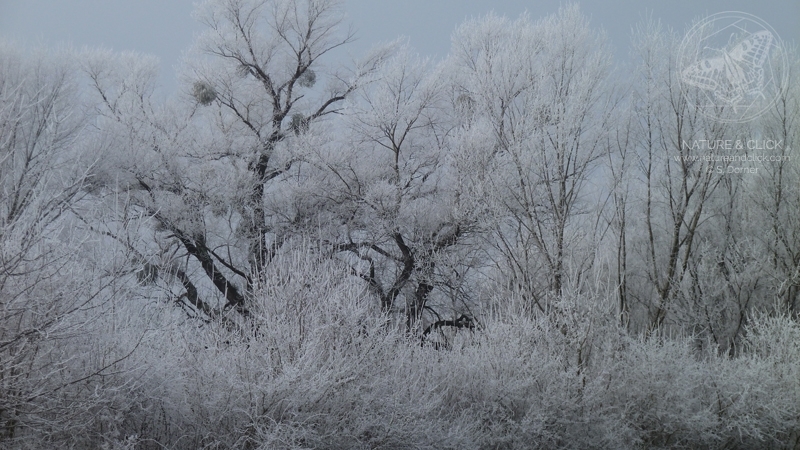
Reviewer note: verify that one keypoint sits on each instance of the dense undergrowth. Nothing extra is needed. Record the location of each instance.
(323, 370)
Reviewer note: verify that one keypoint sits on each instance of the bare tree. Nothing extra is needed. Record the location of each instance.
(541, 87)
(775, 189)
(208, 168)
(397, 213)
(51, 298)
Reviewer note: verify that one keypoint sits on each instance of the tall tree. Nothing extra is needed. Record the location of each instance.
(207, 168)
(52, 297)
(397, 211)
(542, 88)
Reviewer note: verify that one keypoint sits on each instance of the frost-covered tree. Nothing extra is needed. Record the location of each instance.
(541, 88)
(210, 169)
(54, 290)
(38, 126)
(774, 192)
(397, 213)
(698, 234)
(674, 192)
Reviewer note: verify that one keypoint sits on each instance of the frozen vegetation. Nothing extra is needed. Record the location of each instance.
(520, 246)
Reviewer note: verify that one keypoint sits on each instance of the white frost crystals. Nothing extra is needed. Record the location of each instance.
(515, 247)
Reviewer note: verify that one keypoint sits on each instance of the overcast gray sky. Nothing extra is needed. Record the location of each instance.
(165, 27)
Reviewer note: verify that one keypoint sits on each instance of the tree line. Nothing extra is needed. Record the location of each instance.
(173, 270)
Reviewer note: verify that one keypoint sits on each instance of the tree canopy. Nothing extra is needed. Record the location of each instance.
(516, 246)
